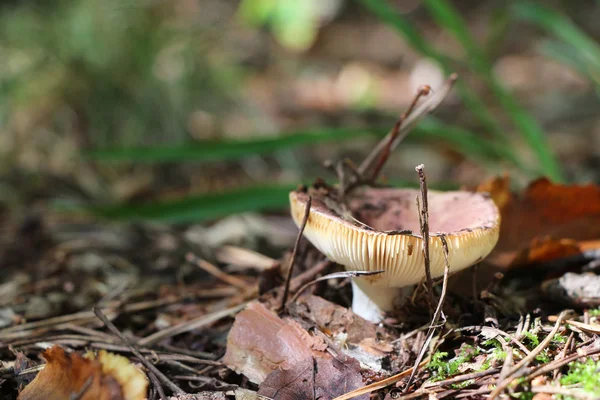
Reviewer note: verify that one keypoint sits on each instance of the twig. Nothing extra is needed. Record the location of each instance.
(436, 315)
(387, 150)
(286, 288)
(563, 353)
(472, 394)
(429, 105)
(588, 328)
(379, 385)
(189, 325)
(506, 365)
(462, 378)
(516, 341)
(157, 385)
(216, 272)
(31, 370)
(85, 317)
(158, 355)
(527, 359)
(575, 393)
(244, 258)
(559, 363)
(176, 389)
(424, 223)
(335, 275)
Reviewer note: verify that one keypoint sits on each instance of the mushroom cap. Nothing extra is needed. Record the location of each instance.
(470, 221)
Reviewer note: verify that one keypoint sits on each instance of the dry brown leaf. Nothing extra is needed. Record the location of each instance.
(260, 342)
(545, 249)
(544, 210)
(104, 376)
(314, 378)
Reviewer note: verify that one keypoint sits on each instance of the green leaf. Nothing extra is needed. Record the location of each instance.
(210, 206)
(201, 208)
(227, 149)
(448, 17)
(574, 48)
(561, 27)
(387, 14)
(569, 56)
(465, 142)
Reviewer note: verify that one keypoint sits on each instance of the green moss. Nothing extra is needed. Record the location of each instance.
(585, 374)
(462, 385)
(543, 357)
(531, 338)
(558, 338)
(523, 395)
(442, 368)
(595, 312)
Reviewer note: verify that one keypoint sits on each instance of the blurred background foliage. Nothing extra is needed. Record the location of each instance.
(188, 110)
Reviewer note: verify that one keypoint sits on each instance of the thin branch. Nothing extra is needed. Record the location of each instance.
(335, 275)
(527, 359)
(560, 363)
(187, 326)
(563, 354)
(425, 108)
(286, 288)
(462, 378)
(216, 272)
(176, 389)
(436, 315)
(379, 385)
(387, 150)
(157, 386)
(424, 223)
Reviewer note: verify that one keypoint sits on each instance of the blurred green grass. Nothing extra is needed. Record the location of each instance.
(132, 75)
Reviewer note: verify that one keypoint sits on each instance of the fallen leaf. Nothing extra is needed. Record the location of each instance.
(544, 250)
(334, 319)
(547, 211)
(260, 342)
(314, 378)
(22, 363)
(498, 188)
(102, 376)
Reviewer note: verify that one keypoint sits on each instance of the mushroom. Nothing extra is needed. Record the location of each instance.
(469, 221)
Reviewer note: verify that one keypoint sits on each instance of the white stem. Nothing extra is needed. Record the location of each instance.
(372, 301)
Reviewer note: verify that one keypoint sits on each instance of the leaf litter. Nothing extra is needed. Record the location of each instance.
(198, 327)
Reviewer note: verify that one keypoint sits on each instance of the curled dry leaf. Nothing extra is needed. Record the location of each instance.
(260, 342)
(314, 378)
(546, 211)
(101, 376)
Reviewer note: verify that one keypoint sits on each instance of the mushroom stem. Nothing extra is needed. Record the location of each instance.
(371, 301)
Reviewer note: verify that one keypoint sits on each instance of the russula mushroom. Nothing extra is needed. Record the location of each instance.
(469, 221)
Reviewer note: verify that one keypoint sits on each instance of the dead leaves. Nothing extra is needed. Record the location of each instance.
(314, 378)
(102, 376)
(287, 361)
(260, 342)
(546, 221)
